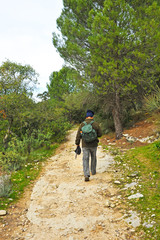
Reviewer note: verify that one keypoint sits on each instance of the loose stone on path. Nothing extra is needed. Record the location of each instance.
(3, 212)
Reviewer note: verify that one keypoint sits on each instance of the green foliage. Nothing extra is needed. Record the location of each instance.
(11, 160)
(118, 54)
(19, 179)
(32, 125)
(33, 141)
(76, 104)
(16, 86)
(15, 105)
(5, 186)
(146, 162)
(152, 102)
(16, 78)
(3, 126)
(114, 45)
(29, 142)
(157, 144)
(114, 151)
(61, 83)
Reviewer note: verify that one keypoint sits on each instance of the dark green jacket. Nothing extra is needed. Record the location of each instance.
(97, 128)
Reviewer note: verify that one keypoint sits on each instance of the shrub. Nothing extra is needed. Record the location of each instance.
(30, 142)
(42, 140)
(157, 144)
(11, 160)
(152, 102)
(5, 186)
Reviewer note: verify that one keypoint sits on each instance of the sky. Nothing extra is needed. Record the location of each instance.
(26, 29)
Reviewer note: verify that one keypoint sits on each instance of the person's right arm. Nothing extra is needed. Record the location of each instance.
(78, 136)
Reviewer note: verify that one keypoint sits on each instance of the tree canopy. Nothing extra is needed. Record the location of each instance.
(21, 118)
(114, 45)
(17, 78)
(62, 82)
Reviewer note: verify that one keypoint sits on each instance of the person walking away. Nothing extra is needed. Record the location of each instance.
(89, 131)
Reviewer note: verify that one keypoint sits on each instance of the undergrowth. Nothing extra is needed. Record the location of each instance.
(145, 162)
(14, 184)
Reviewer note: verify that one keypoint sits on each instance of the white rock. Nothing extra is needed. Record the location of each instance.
(147, 225)
(126, 135)
(131, 139)
(130, 185)
(113, 205)
(134, 220)
(137, 195)
(119, 197)
(107, 203)
(3, 212)
(117, 182)
(135, 174)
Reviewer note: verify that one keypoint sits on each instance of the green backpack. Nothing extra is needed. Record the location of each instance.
(88, 132)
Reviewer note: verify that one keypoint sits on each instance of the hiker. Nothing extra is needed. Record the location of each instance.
(89, 143)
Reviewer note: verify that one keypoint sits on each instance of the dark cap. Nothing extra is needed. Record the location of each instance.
(89, 113)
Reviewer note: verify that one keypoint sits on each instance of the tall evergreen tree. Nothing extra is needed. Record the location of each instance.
(72, 43)
(124, 60)
(114, 45)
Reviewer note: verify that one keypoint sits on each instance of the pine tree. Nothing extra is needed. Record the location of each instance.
(115, 45)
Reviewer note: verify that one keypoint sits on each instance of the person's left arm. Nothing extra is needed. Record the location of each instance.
(98, 130)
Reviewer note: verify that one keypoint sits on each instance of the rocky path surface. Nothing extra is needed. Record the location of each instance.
(63, 206)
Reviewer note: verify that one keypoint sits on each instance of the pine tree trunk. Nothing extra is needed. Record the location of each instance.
(117, 117)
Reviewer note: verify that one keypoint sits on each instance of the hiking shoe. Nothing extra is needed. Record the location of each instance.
(86, 179)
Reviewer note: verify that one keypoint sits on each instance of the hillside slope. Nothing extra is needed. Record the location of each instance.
(137, 174)
(140, 134)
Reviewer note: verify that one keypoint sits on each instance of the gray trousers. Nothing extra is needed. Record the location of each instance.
(87, 152)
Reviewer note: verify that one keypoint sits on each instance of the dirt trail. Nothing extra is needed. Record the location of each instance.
(64, 206)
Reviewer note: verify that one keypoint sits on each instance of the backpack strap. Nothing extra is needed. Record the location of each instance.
(85, 123)
(88, 123)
